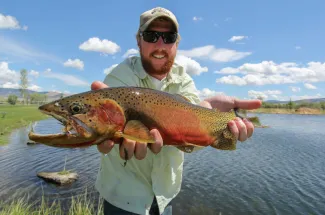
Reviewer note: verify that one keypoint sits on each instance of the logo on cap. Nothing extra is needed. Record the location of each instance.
(161, 10)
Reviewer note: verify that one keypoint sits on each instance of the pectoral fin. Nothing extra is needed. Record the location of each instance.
(137, 131)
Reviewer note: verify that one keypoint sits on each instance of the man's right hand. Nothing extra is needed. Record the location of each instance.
(139, 150)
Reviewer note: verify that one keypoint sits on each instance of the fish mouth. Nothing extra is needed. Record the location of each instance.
(58, 117)
(74, 134)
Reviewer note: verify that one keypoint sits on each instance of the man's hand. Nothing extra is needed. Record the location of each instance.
(139, 150)
(242, 129)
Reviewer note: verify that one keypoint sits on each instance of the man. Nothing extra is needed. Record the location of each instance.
(152, 177)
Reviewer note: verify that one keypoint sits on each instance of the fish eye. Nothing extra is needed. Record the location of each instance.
(75, 108)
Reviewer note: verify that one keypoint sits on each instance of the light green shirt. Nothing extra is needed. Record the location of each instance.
(133, 187)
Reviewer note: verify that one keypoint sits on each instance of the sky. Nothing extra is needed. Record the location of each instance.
(273, 50)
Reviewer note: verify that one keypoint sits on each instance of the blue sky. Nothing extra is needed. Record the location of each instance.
(274, 49)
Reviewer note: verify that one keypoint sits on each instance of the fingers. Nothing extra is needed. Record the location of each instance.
(241, 129)
(248, 104)
(156, 147)
(242, 136)
(96, 85)
(105, 147)
(128, 146)
(139, 150)
(250, 127)
(233, 128)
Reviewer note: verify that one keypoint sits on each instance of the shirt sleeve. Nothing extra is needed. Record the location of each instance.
(189, 90)
(122, 75)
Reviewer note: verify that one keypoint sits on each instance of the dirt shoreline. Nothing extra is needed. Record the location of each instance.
(299, 111)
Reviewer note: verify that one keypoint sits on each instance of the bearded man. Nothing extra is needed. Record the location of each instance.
(153, 174)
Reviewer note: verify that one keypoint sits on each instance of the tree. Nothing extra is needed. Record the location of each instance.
(322, 105)
(12, 99)
(24, 85)
(291, 104)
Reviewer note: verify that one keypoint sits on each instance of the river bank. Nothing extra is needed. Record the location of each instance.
(300, 111)
(78, 205)
(17, 116)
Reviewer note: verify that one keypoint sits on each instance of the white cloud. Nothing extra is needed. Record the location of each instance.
(195, 18)
(10, 22)
(67, 79)
(130, 52)
(268, 72)
(297, 47)
(264, 94)
(206, 92)
(295, 89)
(10, 85)
(7, 75)
(191, 66)
(211, 53)
(109, 69)
(10, 78)
(295, 97)
(104, 46)
(34, 88)
(237, 38)
(227, 70)
(310, 86)
(16, 85)
(76, 63)
(34, 73)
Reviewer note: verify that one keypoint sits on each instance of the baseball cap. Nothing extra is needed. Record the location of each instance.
(148, 16)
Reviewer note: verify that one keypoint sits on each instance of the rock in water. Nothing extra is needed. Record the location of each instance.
(57, 178)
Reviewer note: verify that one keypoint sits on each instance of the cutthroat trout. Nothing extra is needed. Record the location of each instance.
(130, 112)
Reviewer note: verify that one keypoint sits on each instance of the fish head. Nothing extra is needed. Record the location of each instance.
(87, 117)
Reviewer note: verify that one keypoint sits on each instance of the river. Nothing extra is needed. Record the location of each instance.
(280, 170)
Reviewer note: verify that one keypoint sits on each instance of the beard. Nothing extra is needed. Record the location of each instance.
(150, 68)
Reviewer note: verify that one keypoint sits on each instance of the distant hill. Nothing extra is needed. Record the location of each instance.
(297, 101)
(5, 92)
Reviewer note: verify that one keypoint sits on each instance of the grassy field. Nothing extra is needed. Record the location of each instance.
(17, 116)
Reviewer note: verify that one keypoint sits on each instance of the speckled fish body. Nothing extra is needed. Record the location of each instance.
(130, 112)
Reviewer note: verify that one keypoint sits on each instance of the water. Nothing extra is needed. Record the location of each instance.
(281, 170)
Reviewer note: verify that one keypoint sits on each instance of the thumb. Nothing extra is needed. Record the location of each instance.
(96, 85)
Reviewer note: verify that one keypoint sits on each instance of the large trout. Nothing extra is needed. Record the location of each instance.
(130, 112)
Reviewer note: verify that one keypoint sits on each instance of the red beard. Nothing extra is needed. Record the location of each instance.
(149, 67)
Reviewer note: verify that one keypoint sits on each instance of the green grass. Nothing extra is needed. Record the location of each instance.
(17, 116)
(79, 205)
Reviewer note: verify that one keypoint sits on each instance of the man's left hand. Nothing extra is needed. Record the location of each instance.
(242, 129)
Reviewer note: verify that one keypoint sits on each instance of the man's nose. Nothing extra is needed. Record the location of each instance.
(160, 42)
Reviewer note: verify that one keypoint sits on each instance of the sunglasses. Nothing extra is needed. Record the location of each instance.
(153, 36)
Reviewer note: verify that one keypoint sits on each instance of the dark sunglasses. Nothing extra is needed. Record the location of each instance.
(153, 36)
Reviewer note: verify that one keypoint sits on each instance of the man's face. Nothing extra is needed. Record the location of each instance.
(157, 58)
